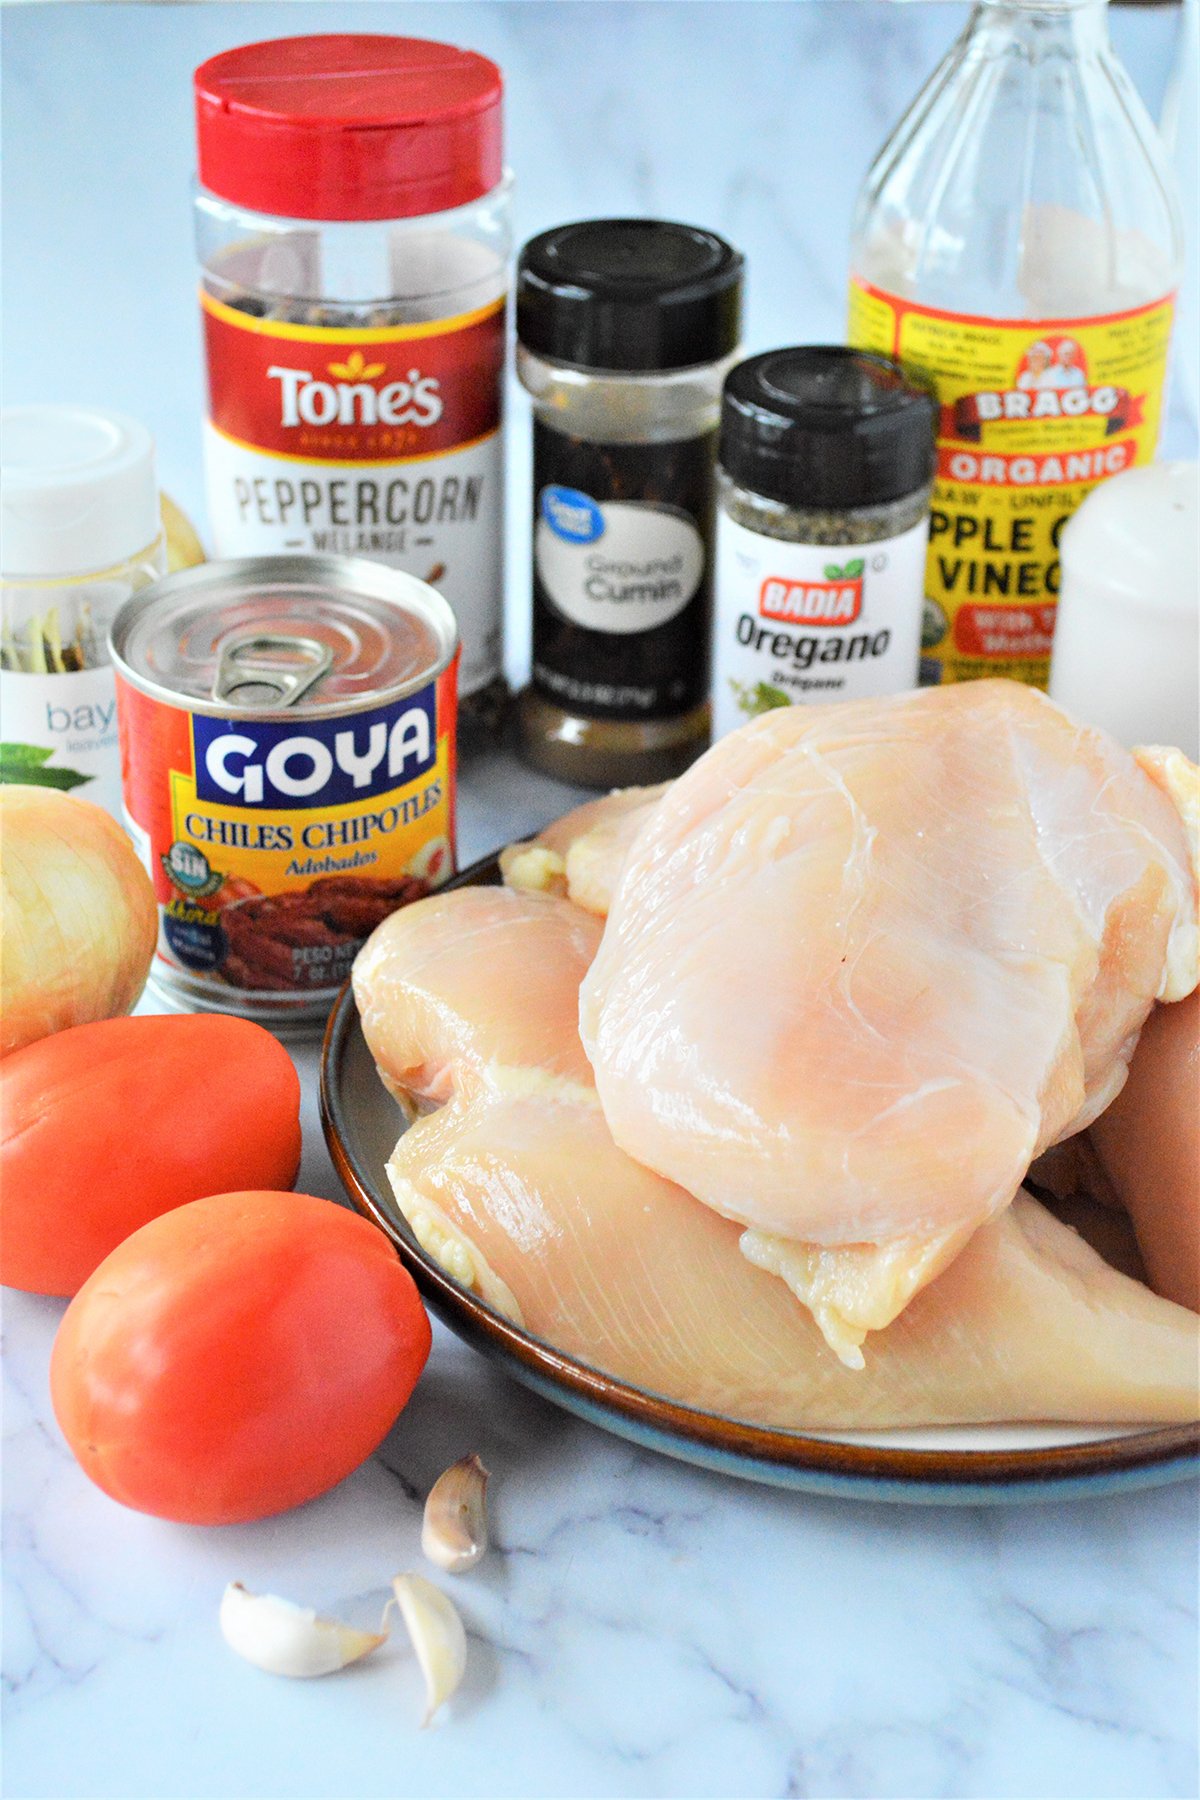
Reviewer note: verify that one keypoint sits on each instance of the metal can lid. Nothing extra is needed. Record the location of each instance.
(314, 636)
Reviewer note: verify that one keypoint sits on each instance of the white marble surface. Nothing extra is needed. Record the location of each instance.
(645, 1629)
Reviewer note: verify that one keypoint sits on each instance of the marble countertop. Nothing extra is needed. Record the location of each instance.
(642, 1628)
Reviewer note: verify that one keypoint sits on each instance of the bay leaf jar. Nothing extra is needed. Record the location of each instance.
(80, 531)
(625, 330)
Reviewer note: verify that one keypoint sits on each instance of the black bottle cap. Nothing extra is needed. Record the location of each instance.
(827, 427)
(634, 294)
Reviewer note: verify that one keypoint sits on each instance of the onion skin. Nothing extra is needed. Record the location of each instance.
(78, 916)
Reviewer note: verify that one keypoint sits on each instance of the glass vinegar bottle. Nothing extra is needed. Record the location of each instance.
(1018, 240)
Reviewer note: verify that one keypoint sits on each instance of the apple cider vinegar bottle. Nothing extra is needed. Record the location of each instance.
(1018, 242)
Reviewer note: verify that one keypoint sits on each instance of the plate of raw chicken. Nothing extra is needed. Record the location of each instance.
(828, 1116)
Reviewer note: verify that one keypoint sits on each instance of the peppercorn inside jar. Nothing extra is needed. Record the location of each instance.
(825, 474)
(353, 234)
(625, 328)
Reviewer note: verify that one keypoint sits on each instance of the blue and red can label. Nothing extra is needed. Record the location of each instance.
(277, 845)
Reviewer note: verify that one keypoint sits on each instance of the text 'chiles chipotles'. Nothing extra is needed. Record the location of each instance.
(353, 232)
(1034, 285)
(288, 752)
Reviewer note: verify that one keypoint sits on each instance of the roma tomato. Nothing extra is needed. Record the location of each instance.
(105, 1126)
(237, 1356)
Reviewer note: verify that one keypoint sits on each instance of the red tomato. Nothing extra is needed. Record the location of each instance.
(105, 1126)
(237, 1356)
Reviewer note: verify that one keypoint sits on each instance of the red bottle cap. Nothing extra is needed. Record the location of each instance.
(349, 126)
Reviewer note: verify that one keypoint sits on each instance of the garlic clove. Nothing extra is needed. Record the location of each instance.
(437, 1636)
(285, 1639)
(454, 1533)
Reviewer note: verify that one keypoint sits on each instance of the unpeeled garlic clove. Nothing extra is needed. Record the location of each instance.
(437, 1636)
(454, 1534)
(285, 1639)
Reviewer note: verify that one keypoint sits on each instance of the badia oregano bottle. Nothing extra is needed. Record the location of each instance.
(823, 479)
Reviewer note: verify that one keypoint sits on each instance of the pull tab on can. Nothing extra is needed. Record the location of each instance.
(269, 669)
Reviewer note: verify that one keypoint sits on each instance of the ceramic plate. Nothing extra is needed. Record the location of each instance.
(965, 1464)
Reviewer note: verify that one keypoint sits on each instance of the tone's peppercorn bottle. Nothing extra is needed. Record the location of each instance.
(625, 330)
(352, 227)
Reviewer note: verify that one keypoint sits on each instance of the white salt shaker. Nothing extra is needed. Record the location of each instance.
(1127, 635)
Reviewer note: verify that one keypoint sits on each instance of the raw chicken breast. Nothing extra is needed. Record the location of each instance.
(1106, 1228)
(445, 991)
(865, 960)
(517, 1187)
(1149, 1145)
(580, 855)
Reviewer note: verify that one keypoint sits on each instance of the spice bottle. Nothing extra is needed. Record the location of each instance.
(353, 232)
(826, 468)
(625, 328)
(1018, 237)
(81, 531)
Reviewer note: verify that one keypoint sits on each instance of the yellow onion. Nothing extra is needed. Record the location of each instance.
(78, 918)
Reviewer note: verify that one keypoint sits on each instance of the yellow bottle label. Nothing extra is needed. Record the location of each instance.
(1034, 414)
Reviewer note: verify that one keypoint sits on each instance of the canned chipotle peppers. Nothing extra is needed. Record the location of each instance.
(287, 731)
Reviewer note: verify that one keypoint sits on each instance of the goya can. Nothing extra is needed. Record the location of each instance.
(287, 729)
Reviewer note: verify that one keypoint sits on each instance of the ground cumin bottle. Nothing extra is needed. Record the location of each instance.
(1018, 240)
(625, 329)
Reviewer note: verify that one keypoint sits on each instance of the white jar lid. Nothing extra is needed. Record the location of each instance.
(1134, 537)
(78, 492)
